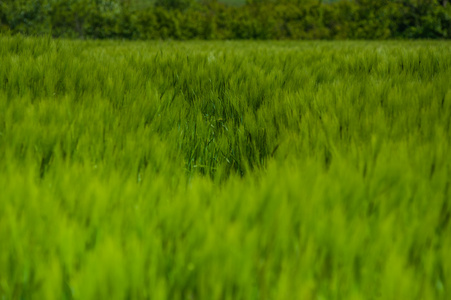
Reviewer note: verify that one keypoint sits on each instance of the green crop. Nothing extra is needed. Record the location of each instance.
(224, 170)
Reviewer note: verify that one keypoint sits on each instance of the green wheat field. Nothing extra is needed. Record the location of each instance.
(225, 170)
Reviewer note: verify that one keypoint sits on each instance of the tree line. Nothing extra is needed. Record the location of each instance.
(211, 19)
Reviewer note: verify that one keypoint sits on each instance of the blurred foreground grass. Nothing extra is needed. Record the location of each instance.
(224, 170)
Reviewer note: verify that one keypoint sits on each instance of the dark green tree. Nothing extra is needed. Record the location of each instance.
(175, 4)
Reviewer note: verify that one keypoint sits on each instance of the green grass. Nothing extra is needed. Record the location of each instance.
(224, 170)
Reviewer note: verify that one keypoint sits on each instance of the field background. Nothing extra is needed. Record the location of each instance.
(147, 3)
(225, 20)
(224, 170)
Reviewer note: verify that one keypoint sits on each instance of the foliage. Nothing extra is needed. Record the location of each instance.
(188, 19)
(224, 170)
(174, 4)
